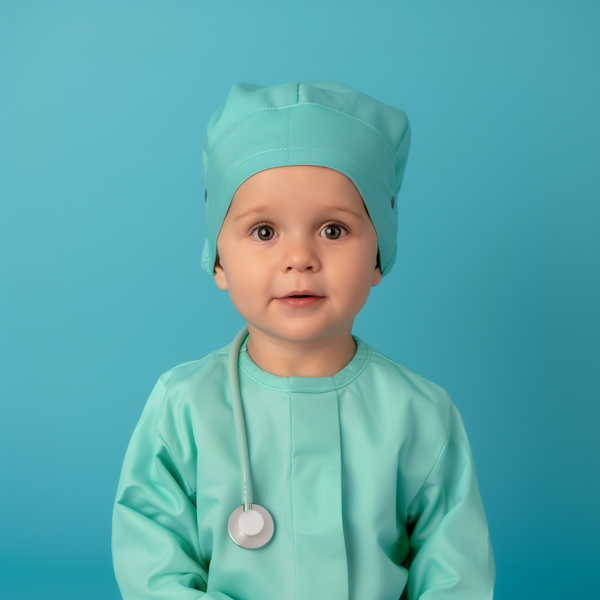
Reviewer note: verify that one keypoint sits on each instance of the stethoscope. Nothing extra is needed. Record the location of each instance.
(250, 525)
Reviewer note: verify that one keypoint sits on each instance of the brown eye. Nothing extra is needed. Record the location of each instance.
(264, 233)
(332, 232)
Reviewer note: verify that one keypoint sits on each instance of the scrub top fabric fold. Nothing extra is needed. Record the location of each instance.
(368, 476)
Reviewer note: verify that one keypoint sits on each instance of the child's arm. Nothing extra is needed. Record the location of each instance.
(155, 546)
(450, 544)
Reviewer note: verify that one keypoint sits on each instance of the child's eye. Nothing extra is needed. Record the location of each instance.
(263, 232)
(333, 231)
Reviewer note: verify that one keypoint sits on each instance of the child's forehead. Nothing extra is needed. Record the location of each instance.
(311, 188)
(311, 177)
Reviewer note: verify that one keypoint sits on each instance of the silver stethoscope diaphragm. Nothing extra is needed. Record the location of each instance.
(251, 528)
(250, 525)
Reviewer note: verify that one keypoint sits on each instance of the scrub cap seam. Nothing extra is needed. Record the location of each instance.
(339, 112)
(303, 148)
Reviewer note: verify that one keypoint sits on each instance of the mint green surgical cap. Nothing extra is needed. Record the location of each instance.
(323, 123)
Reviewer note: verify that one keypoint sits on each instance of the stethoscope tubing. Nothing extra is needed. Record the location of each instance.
(238, 416)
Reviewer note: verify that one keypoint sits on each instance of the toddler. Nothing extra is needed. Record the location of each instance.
(298, 463)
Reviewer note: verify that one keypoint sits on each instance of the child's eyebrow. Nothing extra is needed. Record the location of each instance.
(256, 209)
(260, 209)
(346, 210)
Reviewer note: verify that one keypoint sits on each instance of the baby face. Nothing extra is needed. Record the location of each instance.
(298, 231)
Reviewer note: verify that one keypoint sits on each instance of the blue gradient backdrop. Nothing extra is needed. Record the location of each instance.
(494, 296)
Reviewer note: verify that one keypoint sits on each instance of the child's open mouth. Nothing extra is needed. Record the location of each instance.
(301, 300)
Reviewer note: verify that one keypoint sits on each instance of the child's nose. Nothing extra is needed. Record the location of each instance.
(300, 255)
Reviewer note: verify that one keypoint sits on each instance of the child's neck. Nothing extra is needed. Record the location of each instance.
(323, 357)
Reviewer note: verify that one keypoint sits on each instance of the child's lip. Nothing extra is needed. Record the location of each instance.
(301, 301)
(301, 293)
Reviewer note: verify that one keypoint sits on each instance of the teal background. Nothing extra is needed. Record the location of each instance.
(494, 295)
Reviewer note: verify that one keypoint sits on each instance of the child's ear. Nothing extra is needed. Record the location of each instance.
(220, 278)
(376, 276)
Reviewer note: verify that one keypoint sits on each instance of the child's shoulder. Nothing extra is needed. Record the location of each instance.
(210, 368)
(407, 389)
(189, 387)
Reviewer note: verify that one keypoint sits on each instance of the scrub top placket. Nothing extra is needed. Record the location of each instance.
(321, 562)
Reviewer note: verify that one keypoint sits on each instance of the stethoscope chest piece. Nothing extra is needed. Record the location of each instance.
(251, 528)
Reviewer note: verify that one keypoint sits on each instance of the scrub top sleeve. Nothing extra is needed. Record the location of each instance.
(155, 546)
(450, 542)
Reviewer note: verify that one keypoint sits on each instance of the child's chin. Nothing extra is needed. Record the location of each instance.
(304, 332)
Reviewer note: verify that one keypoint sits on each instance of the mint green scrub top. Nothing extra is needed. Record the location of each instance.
(368, 476)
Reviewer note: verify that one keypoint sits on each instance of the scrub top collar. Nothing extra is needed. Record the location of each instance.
(307, 385)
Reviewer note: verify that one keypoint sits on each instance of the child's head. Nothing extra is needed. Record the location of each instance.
(301, 181)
